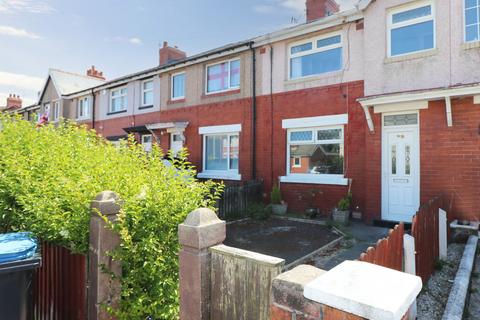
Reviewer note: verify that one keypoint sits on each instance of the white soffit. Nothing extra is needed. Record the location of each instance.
(401, 106)
(220, 129)
(320, 121)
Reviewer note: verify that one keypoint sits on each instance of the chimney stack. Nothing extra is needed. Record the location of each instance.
(317, 9)
(169, 54)
(13, 102)
(92, 72)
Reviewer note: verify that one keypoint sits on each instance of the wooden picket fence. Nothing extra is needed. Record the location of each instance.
(425, 232)
(388, 252)
(60, 285)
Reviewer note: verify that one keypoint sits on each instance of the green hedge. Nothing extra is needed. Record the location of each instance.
(48, 177)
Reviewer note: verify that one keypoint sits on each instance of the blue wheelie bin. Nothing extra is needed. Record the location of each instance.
(18, 260)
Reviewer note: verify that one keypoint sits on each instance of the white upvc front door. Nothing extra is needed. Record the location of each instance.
(176, 142)
(400, 166)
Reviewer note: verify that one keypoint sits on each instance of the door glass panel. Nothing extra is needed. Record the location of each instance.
(394, 159)
(407, 159)
(400, 119)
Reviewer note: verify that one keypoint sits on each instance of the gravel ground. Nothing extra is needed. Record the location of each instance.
(433, 298)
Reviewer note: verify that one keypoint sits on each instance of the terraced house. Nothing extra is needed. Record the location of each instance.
(381, 99)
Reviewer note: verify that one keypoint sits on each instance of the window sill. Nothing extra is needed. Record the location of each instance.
(219, 175)
(220, 94)
(83, 119)
(470, 45)
(315, 179)
(175, 101)
(411, 56)
(314, 77)
(116, 112)
(145, 107)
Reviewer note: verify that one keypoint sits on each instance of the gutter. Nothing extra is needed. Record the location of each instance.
(254, 111)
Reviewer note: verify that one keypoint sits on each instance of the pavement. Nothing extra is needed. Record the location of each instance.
(363, 236)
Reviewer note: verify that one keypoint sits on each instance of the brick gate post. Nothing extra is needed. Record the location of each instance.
(202, 229)
(103, 290)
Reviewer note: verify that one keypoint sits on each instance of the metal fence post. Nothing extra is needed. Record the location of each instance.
(103, 290)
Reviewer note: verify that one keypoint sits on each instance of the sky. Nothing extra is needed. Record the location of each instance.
(121, 37)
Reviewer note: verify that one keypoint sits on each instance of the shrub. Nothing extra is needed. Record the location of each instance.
(275, 195)
(259, 211)
(48, 177)
(345, 203)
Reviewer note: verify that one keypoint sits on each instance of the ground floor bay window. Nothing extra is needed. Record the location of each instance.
(220, 156)
(315, 150)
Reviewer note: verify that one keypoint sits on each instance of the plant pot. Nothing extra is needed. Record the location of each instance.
(357, 215)
(341, 216)
(279, 209)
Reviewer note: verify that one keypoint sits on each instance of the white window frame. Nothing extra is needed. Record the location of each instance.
(230, 87)
(56, 110)
(315, 123)
(142, 137)
(228, 130)
(81, 104)
(407, 7)
(184, 85)
(119, 89)
(314, 50)
(464, 14)
(143, 91)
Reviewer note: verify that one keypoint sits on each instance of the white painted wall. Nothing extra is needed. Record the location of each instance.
(133, 97)
(352, 63)
(451, 63)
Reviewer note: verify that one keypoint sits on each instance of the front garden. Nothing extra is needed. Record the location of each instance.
(49, 176)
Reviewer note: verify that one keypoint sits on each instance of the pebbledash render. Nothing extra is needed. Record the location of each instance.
(383, 99)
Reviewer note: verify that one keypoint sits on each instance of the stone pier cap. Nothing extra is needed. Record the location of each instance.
(366, 290)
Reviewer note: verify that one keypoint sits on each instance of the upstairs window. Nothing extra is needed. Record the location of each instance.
(56, 111)
(223, 76)
(118, 100)
(83, 111)
(320, 55)
(472, 18)
(178, 86)
(411, 29)
(147, 93)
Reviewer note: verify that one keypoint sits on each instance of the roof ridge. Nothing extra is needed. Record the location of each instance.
(75, 74)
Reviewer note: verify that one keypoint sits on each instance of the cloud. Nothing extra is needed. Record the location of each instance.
(21, 81)
(25, 6)
(15, 32)
(135, 40)
(263, 8)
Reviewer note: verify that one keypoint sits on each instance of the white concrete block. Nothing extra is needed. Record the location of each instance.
(409, 267)
(442, 233)
(366, 290)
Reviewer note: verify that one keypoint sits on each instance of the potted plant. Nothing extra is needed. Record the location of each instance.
(341, 213)
(278, 205)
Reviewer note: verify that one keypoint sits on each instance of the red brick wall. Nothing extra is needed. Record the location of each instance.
(271, 142)
(450, 156)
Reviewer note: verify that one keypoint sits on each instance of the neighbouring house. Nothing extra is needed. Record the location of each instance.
(52, 100)
(384, 97)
